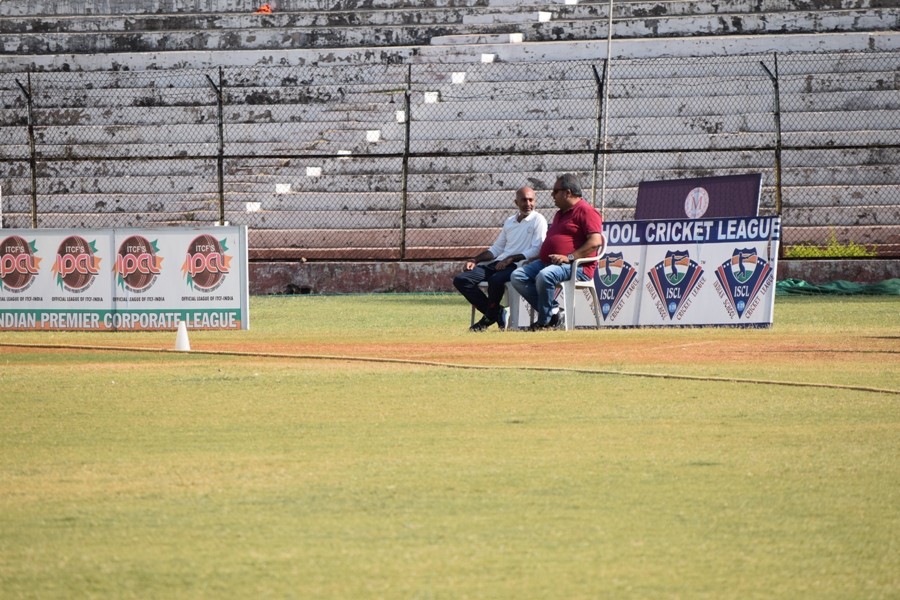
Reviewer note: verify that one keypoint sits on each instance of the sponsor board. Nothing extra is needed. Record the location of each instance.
(124, 279)
(709, 197)
(686, 272)
(673, 282)
(616, 281)
(742, 280)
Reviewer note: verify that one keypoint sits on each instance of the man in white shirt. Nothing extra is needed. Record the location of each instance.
(519, 240)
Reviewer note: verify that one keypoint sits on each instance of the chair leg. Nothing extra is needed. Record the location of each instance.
(569, 290)
(512, 301)
(596, 298)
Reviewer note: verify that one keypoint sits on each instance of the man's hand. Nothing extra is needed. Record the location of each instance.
(509, 260)
(483, 257)
(559, 259)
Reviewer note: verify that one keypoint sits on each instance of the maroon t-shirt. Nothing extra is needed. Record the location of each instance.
(569, 231)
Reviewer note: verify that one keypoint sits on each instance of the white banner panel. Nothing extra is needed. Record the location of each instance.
(672, 273)
(124, 279)
(717, 272)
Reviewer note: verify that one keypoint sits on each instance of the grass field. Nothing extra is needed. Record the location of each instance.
(152, 475)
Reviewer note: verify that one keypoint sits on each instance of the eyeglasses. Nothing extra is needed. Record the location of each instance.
(554, 190)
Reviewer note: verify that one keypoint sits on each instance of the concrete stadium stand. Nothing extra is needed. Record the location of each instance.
(364, 37)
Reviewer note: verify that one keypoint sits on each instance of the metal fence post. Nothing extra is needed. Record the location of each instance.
(33, 159)
(606, 76)
(774, 79)
(600, 82)
(778, 205)
(405, 166)
(220, 155)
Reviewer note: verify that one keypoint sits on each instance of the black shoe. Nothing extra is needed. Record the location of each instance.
(539, 326)
(557, 319)
(483, 324)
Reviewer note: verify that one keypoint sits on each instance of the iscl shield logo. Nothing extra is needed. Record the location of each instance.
(613, 278)
(674, 279)
(206, 263)
(18, 264)
(137, 264)
(741, 277)
(76, 265)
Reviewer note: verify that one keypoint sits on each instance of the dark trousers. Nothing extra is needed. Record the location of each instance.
(467, 284)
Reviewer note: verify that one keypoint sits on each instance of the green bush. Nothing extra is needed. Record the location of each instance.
(833, 249)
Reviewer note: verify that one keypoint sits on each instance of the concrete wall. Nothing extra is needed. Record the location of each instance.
(352, 278)
(824, 271)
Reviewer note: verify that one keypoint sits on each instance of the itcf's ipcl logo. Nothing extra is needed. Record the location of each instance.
(741, 277)
(76, 265)
(137, 264)
(206, 263)
(18, 264)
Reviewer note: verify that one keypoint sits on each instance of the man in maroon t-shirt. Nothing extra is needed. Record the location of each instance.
(576, 232)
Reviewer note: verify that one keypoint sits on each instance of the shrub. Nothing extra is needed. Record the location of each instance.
(832, 249)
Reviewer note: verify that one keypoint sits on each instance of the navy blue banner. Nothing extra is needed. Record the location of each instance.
(681, 231)
(702, 197)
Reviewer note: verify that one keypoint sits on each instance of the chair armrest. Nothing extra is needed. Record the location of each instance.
(580, 261)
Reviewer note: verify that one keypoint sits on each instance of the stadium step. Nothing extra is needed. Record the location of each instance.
(469, 39)
(597, 8)
(437, 26)
(458, 104)
(526, 52)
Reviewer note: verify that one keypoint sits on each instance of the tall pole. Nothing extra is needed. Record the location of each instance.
(405, 165)
(31, 148)
(221, 157)
(778, 205)
(220, 134)
(608, 73)
(599, 136)
(774, 78)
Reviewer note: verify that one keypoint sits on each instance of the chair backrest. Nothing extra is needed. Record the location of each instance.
(602, 249)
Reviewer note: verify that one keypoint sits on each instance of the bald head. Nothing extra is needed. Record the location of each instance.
(525, 201)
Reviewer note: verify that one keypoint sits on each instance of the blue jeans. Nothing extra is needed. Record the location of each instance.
(536, 282)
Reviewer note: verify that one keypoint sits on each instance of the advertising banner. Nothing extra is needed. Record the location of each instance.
(687, 272)
(701, 197)
(124, 279)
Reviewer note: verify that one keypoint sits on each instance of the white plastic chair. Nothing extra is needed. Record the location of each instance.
(512, 302)
(572, 285)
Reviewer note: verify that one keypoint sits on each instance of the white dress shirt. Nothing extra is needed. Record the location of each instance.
(520, 237)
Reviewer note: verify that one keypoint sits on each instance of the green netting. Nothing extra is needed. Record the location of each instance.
(888, 287)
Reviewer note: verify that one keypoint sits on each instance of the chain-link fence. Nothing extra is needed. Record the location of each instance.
(422, 161)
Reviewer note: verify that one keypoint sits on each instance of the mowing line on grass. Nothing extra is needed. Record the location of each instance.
(825, 351)
(428, 363)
